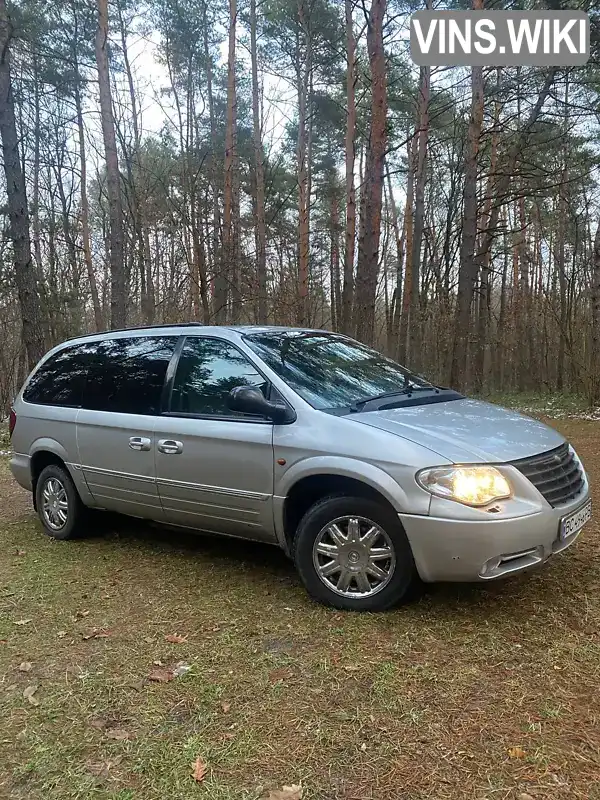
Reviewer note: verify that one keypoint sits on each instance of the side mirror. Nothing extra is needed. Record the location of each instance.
(250, 400)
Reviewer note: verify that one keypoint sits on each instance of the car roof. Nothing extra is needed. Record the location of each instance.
(190, 328)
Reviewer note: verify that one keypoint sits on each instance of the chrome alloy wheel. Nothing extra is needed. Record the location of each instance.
(354, 557)
(55, 506)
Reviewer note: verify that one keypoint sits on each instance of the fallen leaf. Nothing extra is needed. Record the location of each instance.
(22, 622)
(181, 668)
(281, 674)
(516, 752)
(103, 768)
(119, 734)
(199, 770)
(25, 666)
(96, 633)
(524, 796)
(225, 706)
(175, 638)
(161, 675)
(292, 792)
(29, 694)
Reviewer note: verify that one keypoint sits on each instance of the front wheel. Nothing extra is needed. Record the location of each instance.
(352, 553)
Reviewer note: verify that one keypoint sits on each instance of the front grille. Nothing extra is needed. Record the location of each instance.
(555, 474)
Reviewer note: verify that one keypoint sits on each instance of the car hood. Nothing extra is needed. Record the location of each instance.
(466, 431)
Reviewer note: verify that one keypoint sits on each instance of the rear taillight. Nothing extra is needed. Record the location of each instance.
(12, 421)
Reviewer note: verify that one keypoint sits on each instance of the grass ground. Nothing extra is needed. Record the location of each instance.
(472, 692)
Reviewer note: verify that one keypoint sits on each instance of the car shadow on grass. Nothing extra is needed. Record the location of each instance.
(269, 562)
(237, 553)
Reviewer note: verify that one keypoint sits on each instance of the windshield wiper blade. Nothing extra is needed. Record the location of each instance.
(407, 390)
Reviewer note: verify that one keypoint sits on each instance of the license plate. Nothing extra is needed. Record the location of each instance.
(575, 521)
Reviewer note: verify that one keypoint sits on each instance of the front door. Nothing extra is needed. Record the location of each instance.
(214, 467)
(115, 426)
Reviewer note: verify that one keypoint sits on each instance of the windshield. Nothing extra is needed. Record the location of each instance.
(328, 370)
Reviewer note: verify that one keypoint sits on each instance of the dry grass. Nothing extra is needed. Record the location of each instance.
(473, 692)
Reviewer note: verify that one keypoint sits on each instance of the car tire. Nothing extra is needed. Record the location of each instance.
(58, 504)
(381, 546)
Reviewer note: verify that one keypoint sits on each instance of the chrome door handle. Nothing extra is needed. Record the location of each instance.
(139, 443)
(170, 447)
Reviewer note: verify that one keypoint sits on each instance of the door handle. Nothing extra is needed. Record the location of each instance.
(139, 443)
(170, 447)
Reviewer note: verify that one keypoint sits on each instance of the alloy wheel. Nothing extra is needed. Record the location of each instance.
(354, 557)
(55, 505)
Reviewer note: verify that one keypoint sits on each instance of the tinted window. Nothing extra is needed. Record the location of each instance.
(329, 370)
(61, 379)
(127, 375)
(207, 371)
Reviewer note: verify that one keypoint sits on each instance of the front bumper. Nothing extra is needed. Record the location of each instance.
(485, 548)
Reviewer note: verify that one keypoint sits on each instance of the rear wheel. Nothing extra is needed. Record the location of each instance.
(58, 503)
(352, 553)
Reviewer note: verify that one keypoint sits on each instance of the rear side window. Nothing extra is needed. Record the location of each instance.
(60, 381)
(207, 371)
(127, 375)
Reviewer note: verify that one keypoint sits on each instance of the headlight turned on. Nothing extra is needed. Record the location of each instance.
(471, 486)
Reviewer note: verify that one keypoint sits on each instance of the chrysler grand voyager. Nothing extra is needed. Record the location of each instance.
(369, 476)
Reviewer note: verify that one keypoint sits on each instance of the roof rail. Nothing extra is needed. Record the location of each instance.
(142, 328)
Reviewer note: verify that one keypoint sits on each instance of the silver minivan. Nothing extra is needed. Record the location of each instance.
(367, 475)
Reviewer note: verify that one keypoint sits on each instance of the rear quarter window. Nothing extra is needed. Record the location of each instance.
(60, 381)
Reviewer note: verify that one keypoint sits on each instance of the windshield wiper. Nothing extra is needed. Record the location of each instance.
(407, 390)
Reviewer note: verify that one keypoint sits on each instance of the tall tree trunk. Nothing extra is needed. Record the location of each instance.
(303, 70)
(334, 262)
(484, 259)
(85, 208)
(18, 214)
(468, 267)
(134, 175)
(118, 299)
(396, 304)
(260, 232)
(35, 204)
(559, 251)
(594, 381)
(350, 245)
(216, 218)
(407, 293)
(226, 267)
(415, 332)
(370, 217)
(524, 326)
